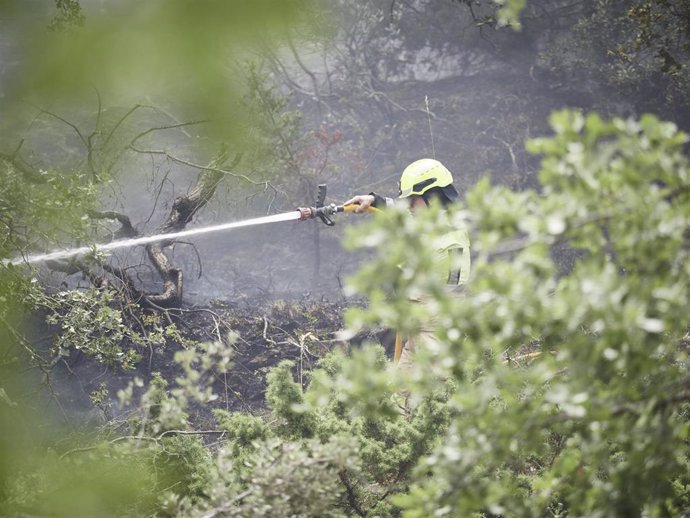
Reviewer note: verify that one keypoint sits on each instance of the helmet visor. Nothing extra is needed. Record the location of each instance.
(417, 188)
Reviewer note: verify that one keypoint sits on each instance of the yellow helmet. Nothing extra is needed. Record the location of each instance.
(425, 174)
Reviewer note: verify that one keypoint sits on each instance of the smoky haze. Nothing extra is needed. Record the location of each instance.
(391, 84)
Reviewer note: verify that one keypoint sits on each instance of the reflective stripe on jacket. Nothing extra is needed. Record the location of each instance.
(452, 261)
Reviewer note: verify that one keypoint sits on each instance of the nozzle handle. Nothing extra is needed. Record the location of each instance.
(353, 207)
(321, 195)
(324, 217)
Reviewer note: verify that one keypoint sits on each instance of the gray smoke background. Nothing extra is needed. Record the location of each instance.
(393, 82)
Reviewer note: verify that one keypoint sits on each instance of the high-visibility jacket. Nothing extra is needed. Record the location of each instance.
(452, 260)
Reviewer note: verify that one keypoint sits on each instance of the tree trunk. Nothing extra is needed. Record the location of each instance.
(183, 210)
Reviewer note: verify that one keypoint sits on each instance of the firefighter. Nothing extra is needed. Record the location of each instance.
(423, 183)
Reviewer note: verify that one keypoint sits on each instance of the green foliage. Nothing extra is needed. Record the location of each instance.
(354, 398)
(594, 425)
(69, 15)
(245, 433)
(551, 392)
(509, 13)
(88, 324)
(241, 428)
(315, 456)
(284, 398)
(297, 479)
(288, 479)
(156, 464)
(183, 466)
(39, 207)
(346, 386)
(95, 322)
(160, 409)
(104, 482)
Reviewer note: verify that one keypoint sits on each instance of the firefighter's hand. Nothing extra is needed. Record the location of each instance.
(363, 202)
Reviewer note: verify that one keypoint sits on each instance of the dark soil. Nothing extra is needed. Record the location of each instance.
(301, 331)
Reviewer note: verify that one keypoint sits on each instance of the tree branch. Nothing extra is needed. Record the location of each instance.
(127, 230)
(183, 210)
(351, 496)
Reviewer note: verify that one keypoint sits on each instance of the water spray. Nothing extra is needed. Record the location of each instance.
(323, 212)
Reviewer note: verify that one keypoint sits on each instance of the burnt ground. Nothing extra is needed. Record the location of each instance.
(265, 336)
(302, 331)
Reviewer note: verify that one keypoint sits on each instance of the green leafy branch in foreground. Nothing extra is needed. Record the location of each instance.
(319, 452)
(598, 424)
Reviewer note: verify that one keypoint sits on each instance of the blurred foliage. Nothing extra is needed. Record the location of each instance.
(145, 458)
(69, 15)
(508, 13)
(178, 56)
(157, 51)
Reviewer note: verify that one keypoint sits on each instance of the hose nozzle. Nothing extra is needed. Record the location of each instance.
(324, 213)
(306, 213)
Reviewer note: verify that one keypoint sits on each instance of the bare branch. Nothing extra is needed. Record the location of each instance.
(65, 121)
(162, 128)
(196, 166)
(127, 230)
